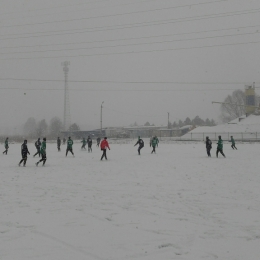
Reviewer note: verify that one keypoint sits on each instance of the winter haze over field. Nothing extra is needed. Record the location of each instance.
(164, 56)
(142, 60)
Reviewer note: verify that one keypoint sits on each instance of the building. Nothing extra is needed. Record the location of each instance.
(126, 132)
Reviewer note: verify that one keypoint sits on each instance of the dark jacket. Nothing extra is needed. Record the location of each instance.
(89, 141)
(208, 144)
(38, 144)
(140, 142)
(24, 150)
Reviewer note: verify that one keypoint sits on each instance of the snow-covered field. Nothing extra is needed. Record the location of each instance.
(176, 204)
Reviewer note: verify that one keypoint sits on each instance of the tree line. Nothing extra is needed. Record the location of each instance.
(34, 129)
(196, 121)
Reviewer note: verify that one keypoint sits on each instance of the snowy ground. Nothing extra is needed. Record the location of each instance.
(177, 204)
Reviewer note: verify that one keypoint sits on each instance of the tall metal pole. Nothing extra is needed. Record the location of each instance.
(66, 115)
(168, 120)
(101, 119)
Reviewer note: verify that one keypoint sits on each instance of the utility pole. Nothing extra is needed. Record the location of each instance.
(101, 119)
(66, 115)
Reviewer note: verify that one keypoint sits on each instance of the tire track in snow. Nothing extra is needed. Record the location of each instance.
(83, 252)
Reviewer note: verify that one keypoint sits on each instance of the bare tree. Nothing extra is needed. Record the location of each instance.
(42, 128)
(55, 127)
(74, 127)
(30, 127)
(232, 111)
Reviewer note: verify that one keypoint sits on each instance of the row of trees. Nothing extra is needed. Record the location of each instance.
(34, 129)
(232, 107)
(195, 121)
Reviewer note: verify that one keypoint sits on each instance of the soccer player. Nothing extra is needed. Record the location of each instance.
(6, 146)
(104, 145)
(24, 151)
(220, 147)
(208, 146)
(69, 146)
(38, 147)
(58, 144)
(140, 142)
(43, 153)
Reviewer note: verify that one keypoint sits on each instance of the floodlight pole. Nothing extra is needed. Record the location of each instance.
(101, 119)
(66, 115)
(168, 120)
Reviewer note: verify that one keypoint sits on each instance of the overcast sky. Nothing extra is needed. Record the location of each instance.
(173, 56)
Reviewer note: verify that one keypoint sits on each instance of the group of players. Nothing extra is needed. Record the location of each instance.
(219, 145)
(154, 141)
(41, 148)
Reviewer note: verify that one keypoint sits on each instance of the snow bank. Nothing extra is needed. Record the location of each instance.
(246, 125)
(246, 129)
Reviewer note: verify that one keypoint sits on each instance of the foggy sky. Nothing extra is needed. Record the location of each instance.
(171, 59)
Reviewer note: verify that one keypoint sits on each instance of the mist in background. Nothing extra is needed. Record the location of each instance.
(142, 58)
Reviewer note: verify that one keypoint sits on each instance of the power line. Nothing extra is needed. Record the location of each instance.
(125, 26)
(133, 38)
(130, 82)
(103, 7)
(117, 90)
(133, 25)
(109, 15)
(54, 7)
(132, 44)
(134, 52)
(139, 115)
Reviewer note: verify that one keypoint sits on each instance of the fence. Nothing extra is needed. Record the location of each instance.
(243, 136)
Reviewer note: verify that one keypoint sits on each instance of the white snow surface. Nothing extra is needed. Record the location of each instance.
(175, 204)
(250, 124)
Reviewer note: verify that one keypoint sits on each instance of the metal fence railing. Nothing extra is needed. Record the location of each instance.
(243, 136)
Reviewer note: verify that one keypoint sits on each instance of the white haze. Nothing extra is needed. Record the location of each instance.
(233, 63)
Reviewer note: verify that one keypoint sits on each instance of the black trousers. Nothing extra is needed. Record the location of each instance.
(58, 146)
(208, 151)
(69, 150)
(220, 151)
(38, 151)
(83, 146)
(89, 147)
(233, 146)
(153, 151)
(139, 149)
(24, 160)
(6, 150)
(104, 154)
(43, 159)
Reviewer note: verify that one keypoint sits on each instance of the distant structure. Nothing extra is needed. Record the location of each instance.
(252, 104)
(250, 99)
(66, 115)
